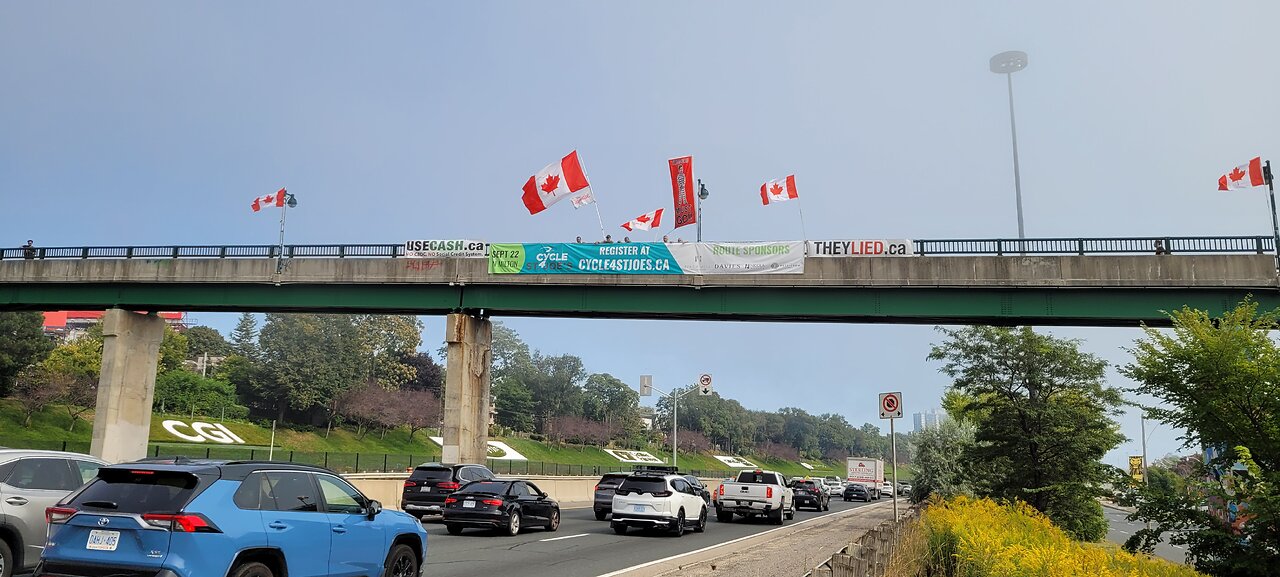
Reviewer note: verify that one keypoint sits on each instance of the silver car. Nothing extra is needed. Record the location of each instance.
(30, 481)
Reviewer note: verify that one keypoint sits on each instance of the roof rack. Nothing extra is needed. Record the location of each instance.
(669, 469)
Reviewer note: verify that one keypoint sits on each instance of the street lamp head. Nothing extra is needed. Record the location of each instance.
(292, 201)
(702, 190)
(1009, 62)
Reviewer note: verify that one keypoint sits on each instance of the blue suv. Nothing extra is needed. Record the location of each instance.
(187, 518)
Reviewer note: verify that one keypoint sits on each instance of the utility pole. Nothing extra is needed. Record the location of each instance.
(646, 389)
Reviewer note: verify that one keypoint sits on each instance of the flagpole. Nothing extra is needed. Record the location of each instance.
(800, 205)
(280, 257)
(1275, 223)
(596, 203)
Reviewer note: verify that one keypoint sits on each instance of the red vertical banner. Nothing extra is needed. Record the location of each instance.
(682, 189)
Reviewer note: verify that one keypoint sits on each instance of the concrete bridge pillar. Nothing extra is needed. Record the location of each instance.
(466, 389)
(130, 352)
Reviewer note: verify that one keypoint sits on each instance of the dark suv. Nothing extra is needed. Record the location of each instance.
(429, 484)
(605, 490)
(811, 493)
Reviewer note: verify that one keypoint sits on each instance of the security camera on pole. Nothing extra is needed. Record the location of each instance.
(703, 388)
(891, 408)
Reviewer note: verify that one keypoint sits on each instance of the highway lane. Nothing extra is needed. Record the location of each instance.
(1119, 530)
(582, 547)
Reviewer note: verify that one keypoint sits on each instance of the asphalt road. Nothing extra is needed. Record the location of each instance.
(582, 547)
(1120, 530)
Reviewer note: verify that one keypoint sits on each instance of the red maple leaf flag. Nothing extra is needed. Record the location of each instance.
(645, 221)
(1243, 176)
(779, 190)
(276, 199)
(554, 183)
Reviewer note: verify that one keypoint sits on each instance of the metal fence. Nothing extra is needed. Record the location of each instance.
(980, 246)
(350, 462)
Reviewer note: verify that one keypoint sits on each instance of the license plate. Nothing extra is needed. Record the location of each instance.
(469, 504)
(103, 540)
(424, 489)
(637, 508)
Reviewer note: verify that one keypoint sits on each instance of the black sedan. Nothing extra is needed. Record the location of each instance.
(856, 491)
(507, 506)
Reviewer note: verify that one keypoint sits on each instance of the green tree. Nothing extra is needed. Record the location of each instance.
(187, 392)
(384, 341)
(428, 375)
(206, 340)
(173, 351)
(942, 465)
(308, 360)
(80, 358)
(22, 343)
(611, 401)
(514, 403)
(244, 338)
(1218, 379)
(1042, 413)
(556, 385)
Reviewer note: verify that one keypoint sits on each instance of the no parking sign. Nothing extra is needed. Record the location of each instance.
(891, 405)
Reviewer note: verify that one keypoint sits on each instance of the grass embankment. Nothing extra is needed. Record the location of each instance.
(49, 427)
(980, 538)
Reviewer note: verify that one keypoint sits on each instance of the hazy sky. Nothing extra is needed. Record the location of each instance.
(158, 122)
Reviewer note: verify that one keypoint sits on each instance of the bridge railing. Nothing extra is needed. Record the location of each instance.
(929, 247)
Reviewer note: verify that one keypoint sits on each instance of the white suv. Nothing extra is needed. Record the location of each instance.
(653, 500)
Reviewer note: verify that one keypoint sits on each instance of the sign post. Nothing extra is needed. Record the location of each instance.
(891, 408)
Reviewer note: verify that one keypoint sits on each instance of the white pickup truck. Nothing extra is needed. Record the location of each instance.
(756, 493)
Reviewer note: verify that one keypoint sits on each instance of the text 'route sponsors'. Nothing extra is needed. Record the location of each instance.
(855, 248)
(445, 248)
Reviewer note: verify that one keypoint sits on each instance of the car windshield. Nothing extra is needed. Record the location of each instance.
(431, 474)
(644, 485)
(138, 491)
(494, 487)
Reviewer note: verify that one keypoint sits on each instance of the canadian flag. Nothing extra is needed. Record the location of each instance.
(553, 183)
(645, 221)
(276, 199)
(779, 190)
(1243, 176)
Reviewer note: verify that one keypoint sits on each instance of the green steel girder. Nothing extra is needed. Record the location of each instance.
(914, 305)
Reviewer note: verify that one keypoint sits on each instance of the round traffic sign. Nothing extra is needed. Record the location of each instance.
(704, 380)
(890, 403)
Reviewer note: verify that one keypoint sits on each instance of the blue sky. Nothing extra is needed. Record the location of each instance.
(158, 122)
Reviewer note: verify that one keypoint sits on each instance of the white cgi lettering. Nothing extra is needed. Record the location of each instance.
(216, 432)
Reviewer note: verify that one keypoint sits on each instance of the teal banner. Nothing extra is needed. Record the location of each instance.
(572, 258)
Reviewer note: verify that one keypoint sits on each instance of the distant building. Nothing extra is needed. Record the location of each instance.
(928, 420)
(71, 325)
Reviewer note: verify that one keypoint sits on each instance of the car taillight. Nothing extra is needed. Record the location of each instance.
(58, 515)
(408, 484)
(721, 490)
(768, 492)
(182, 522)
(448, 485)
(448, 500)
(662, 494)
(597, 487)
(494, 502)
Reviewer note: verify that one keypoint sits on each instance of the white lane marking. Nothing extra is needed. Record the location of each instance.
(729, 542)
(1177, 547)
(565, 537)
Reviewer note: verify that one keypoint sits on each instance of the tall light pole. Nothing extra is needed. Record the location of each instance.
(1007, 63)
(646, 389)
(702, 195)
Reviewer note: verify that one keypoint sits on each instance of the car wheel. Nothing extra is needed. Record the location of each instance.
(249, 570)
(554, 523)
(619, 528)
(702, 522)
(724, 516)
(7, 561)
(513, 524)
(678, 529)
(776, 516)
(453, 528)
(791, 512)
(401, 562)
(826, 506)
(600, 515)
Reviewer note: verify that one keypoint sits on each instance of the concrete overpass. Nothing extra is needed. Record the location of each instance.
(1003, 289)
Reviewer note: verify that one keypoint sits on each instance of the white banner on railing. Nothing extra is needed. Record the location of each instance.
(446, 249)
(855, 248)
(711, 258)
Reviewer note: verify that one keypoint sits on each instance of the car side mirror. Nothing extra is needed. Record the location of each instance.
(373, 509)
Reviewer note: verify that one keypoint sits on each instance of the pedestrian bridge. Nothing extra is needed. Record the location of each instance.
(1089, 282)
